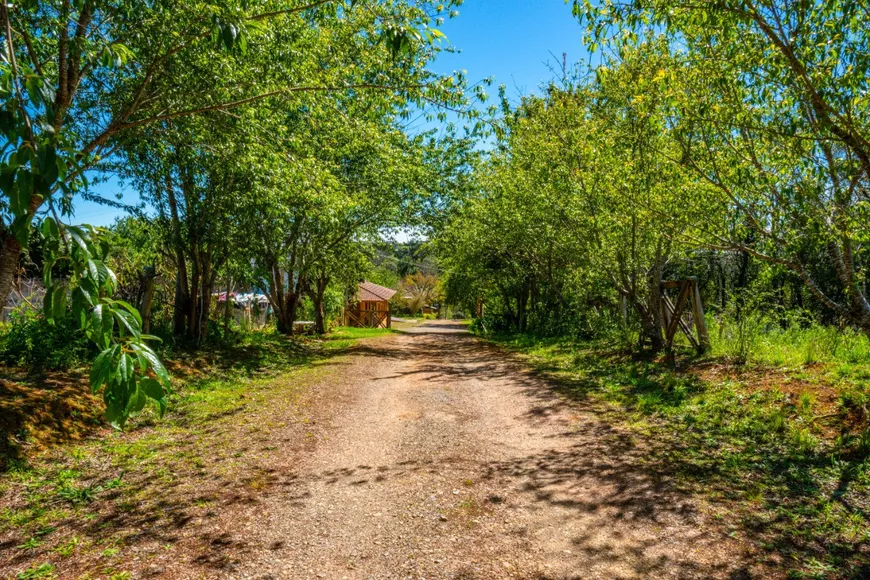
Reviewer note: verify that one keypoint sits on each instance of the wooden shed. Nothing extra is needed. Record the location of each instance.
(370, 307)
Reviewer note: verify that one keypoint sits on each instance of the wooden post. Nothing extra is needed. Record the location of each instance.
(389, 315)
(148, 278)
(698, 315)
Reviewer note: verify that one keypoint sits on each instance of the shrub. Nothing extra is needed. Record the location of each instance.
(29, 341)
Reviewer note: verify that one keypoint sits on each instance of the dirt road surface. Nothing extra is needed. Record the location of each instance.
(434, 455)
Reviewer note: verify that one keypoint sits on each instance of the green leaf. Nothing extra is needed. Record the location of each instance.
(154, 360)
(48, 167)
(81, 305)
(47, 308)
(125, 368)
(80, 238)
(127, 323)
(94, 272)
(129, 308)
(102, 368)
(115, 415)
(7, 180)
(155, 392)
(58, 304)
(152, 388)
(19, 202)
(49, 229)
(46, 271)
(21, 229)
(137, 402)
(228, 35)
(100, 325)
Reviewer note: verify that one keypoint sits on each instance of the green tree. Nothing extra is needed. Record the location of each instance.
(774, 124)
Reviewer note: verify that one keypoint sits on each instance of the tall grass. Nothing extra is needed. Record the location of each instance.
(763, 339)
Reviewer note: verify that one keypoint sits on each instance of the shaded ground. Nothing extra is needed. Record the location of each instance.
(43, 410)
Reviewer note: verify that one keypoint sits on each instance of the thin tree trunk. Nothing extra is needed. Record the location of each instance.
(147, 298)
(654, 305)
(206, 287)
(317, 298)
(192, 330)
(10, 257)
(179, 315)
(228, 305)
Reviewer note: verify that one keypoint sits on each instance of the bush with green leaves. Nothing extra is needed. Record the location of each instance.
(126, 371)
(29, 341)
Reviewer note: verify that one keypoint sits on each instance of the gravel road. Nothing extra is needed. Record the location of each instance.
(436, 455)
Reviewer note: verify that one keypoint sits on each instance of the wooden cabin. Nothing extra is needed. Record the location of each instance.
(370, 307)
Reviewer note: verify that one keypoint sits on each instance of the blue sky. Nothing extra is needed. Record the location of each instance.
(514, 41)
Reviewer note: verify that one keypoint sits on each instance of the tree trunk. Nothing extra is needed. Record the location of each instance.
(654, 306)
(10, 258)
(292, 307)
(206, 286)
(228, 306)
(286, 314)
(282, 319)
(147, 298)
(179, 315)
(193, 306)
(522, 305)
(317, 299)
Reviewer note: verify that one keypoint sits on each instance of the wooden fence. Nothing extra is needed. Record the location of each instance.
(368, 314)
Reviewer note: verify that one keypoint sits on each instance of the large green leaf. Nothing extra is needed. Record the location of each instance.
(47, 308)
(137, 402)
(152, 388)
(129, 308)
(81, 305)
(100, 325)
(21, 229)
(116, 415)
(127, 323)
(103, 368)
(58, 300)
(152, 358)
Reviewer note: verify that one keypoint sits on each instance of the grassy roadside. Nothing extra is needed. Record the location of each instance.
(83, 509)
(781, 454)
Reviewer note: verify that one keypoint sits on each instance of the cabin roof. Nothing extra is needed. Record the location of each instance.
(370, 292)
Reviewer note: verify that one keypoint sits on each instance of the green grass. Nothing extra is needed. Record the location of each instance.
(79, 504)
(786, 479)
(761, 340)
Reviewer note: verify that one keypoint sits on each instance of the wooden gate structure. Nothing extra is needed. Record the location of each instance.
(370, 308)
(672, 313)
